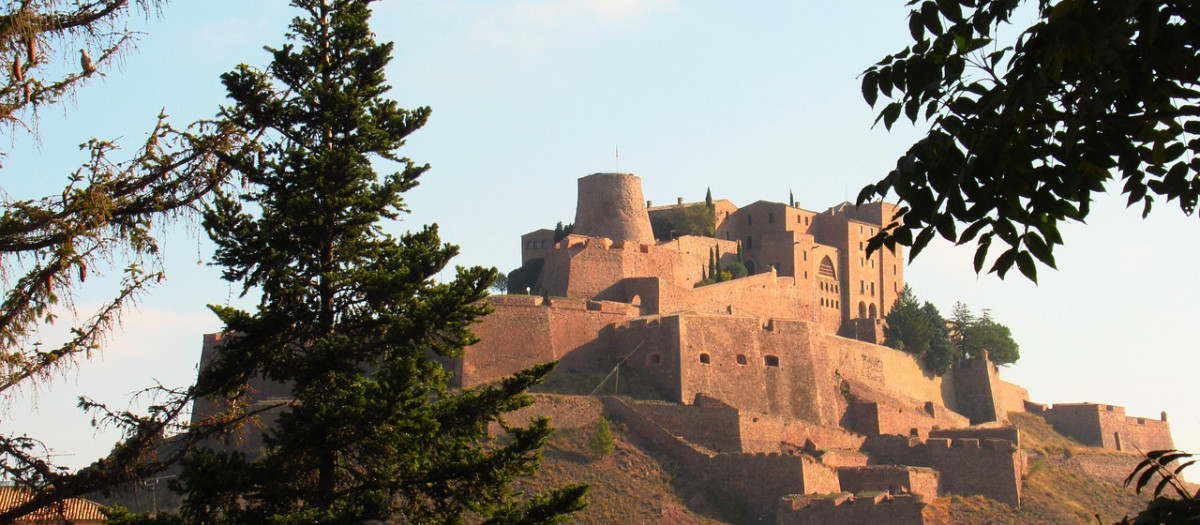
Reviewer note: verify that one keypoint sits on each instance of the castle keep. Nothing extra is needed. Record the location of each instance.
(773, 385)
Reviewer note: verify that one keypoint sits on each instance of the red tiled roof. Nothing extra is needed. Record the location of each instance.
(75, 510)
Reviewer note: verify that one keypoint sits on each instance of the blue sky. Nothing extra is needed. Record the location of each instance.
(752, 100)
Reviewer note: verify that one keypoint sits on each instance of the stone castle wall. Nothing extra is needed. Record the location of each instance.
(848, 509)
(526, 330)
(991, 467)
(758, 480)
(893, 479)
(1106, 426)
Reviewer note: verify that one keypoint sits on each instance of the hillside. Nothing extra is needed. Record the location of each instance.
(631, 485)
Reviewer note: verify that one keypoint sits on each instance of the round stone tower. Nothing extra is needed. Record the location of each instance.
(611, 205)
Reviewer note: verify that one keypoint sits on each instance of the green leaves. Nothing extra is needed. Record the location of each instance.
(1022, 137)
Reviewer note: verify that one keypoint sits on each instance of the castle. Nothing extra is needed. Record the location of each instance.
(773, 384)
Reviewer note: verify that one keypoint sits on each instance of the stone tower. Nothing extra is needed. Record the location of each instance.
(611, 205)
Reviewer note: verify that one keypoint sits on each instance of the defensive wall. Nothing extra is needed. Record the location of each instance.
(982, 395)
(990, 467)
(1106, 426)
(850, 509)
(719, 427)
(874, 411)
(892, 479)
(757, 480)
(525, 330)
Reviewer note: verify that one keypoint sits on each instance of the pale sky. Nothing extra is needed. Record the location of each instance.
(752, 100)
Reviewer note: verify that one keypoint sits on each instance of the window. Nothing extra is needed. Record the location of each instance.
(826, 268)
(704, 359)
(860, 246)
(861, 262)
(873, 312)
(749, 220)
(805, 255)
(741, 359)
(862, 287)
(654, 359)
(872, 264)
(862, 310)
(749, 242)
(872, 289)
(894, 272)
(771, 360)
(543, 244)
(860, 229)
(806, 274)
(798, 221)
(771, 218)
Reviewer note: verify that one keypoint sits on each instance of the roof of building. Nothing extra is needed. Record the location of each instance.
(74, 510)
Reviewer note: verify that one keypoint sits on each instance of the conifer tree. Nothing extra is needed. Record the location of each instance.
(349, 316)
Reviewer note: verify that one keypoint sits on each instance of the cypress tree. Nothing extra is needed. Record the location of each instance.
(350, 317)
(719, 276)
(708, 198)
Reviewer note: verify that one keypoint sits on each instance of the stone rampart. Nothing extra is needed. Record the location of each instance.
(711, 425)
(525, 330)
(768, 433)
(761, 295)
(893, 479)
(758, 480)
(876, 508)
(1107, 466)
(1106, 426)
(883, 368)
(990, 467)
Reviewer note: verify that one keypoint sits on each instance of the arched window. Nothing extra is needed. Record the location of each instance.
(751, 268)
(654, 359)
(826, 268)
(873, 311)
(771, 360)
(862, 309)
(704, 359)
(741, 359)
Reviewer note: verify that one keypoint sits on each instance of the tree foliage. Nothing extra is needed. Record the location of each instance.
(920, 329)
(983, 334)
(1092, 95)
(350, 317)
(107, 217)
(696, 219)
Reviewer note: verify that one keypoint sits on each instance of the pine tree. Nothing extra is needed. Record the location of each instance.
(350, 317)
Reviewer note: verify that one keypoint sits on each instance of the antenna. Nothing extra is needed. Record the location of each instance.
(618, 150)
